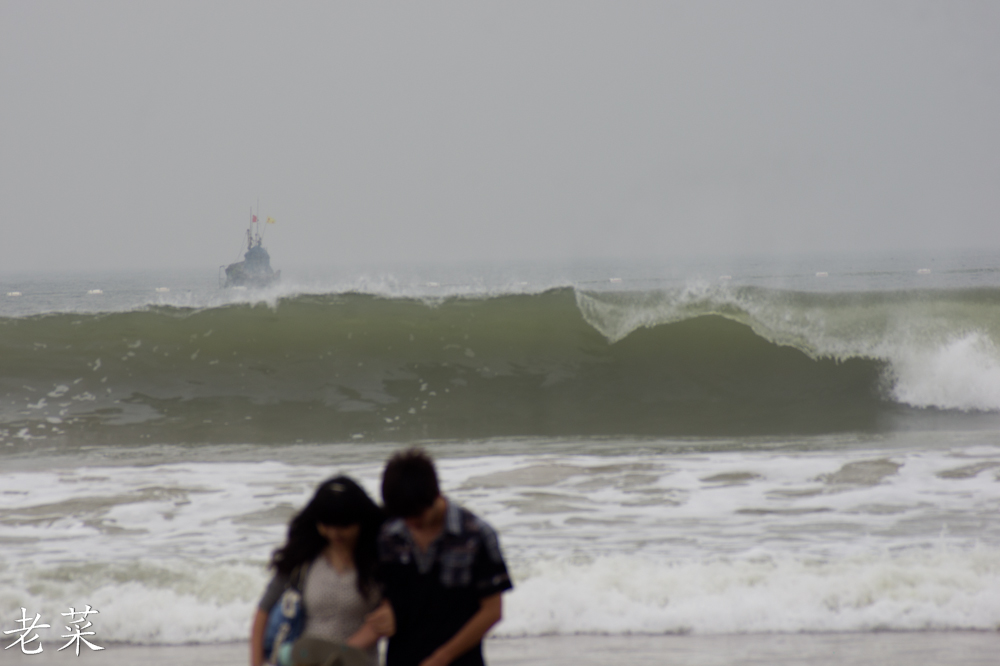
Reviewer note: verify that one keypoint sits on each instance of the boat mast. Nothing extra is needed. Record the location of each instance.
(254, 220)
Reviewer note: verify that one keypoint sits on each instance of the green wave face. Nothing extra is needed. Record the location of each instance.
(563, 363)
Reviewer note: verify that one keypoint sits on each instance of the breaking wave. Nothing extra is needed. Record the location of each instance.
(701, 360)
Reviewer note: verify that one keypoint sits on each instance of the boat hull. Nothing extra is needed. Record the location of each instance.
(238, 275)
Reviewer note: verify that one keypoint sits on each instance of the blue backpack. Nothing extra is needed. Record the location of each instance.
(286, 620)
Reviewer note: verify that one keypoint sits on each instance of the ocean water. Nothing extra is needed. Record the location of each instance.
(717, 446)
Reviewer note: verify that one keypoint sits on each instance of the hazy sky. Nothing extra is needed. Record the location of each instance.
(141, 133)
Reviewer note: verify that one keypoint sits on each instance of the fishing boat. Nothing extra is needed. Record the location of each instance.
(255, 270)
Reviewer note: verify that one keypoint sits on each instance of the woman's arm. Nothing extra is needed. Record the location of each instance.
(272, 594)
(380, 622)
(257, 638)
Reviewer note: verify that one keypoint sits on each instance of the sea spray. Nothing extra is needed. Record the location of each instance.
(962, 374)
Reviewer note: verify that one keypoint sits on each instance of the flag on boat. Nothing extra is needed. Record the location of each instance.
(254, 219)
(270, 220)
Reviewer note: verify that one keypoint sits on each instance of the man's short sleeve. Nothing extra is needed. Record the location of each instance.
(489, 572)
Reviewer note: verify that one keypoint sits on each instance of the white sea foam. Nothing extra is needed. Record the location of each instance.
(651, 543)
(939, 589)
(963, 373)
(183, 602)
(632, 594)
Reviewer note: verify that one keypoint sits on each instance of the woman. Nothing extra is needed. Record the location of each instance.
(332, 540)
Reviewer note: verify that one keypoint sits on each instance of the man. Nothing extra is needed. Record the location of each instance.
(442, 568)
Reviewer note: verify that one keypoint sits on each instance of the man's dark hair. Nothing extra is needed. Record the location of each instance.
(409, 483)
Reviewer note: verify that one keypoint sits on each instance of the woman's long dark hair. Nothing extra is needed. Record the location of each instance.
(337, 501)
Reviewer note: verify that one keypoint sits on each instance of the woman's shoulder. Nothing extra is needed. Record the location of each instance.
(278, 584)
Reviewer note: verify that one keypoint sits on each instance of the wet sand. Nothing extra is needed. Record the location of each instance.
(874, 649)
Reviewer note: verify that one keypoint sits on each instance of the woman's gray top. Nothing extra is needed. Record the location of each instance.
(335, 609)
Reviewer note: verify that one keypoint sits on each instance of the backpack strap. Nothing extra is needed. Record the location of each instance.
(297, 579)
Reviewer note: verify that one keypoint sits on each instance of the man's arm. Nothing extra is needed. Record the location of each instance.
(472, 632)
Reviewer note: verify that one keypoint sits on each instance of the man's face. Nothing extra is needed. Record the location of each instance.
(428, 518)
